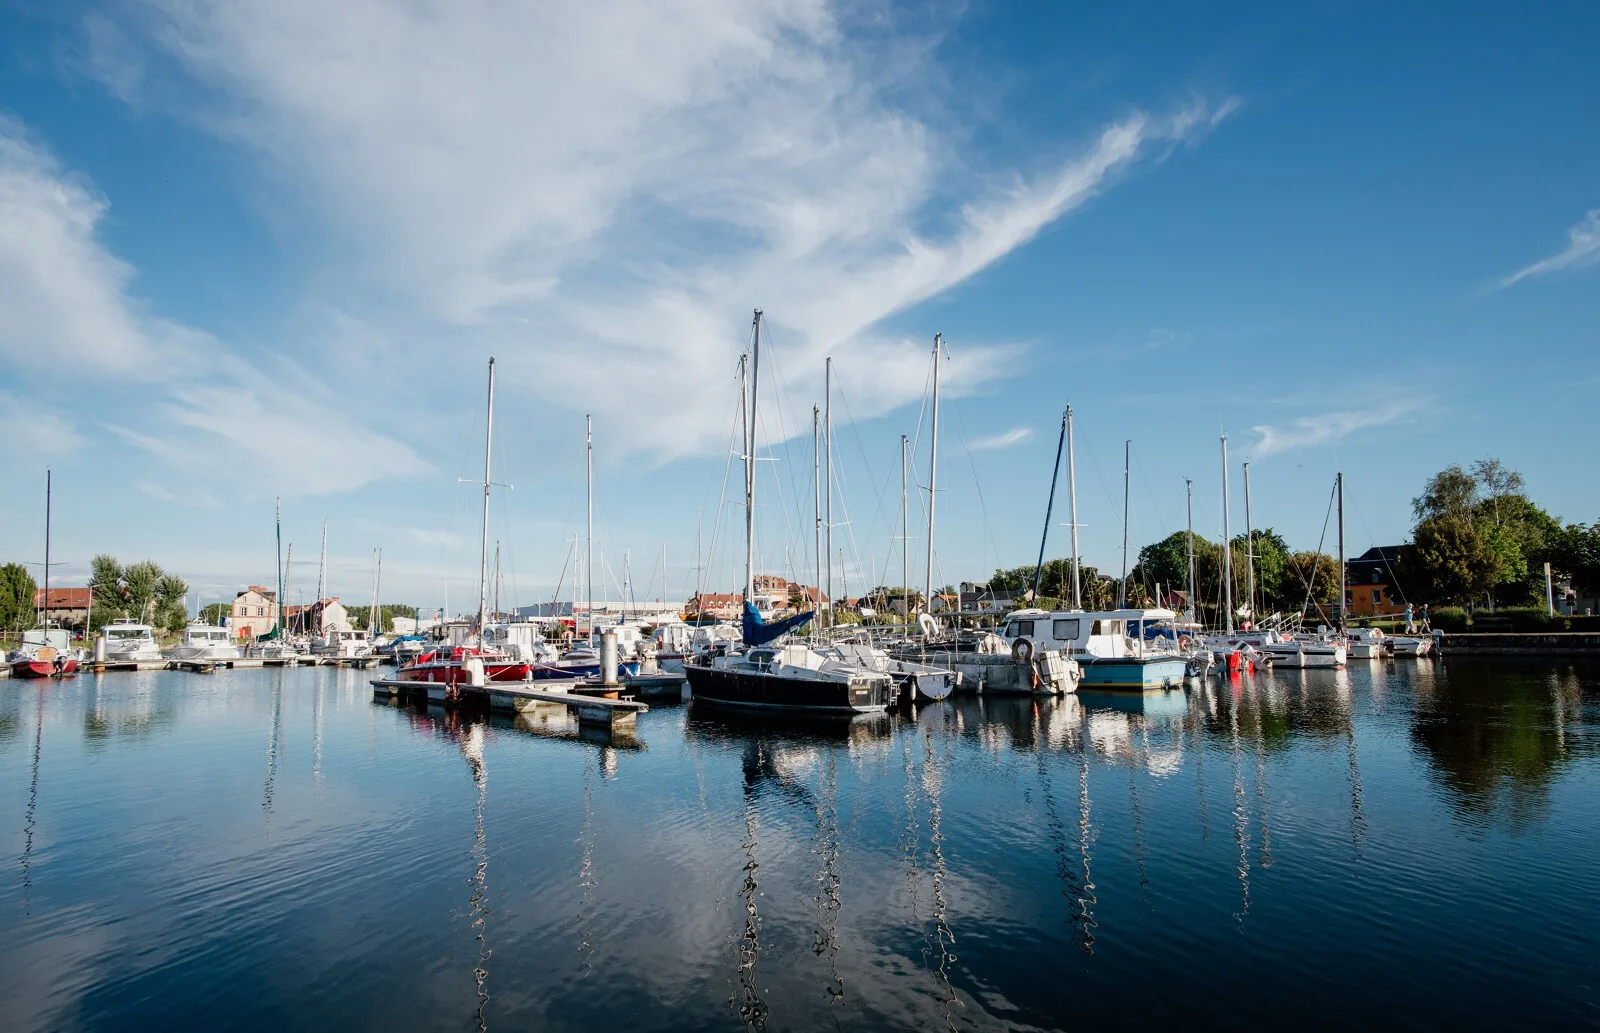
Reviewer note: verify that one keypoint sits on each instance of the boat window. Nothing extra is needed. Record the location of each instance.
(1107, 628)
(1065, 630)
(1020, 629)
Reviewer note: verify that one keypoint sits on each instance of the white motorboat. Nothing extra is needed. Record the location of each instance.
(1366, 644)
(126, 639)
(204, 642)
(1410, 646)
(342, 643)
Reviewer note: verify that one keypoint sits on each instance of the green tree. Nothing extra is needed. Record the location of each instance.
(1450, 561)
(171, 602)
(213, 613)
(17, 593)
(139, 588)
(106, 592)
(1316, 570)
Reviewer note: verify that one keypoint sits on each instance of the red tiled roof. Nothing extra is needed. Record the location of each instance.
(63, 598)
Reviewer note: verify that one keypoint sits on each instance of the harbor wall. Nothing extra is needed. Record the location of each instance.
(1505, 643)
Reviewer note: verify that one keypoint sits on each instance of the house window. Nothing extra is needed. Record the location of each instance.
(1377, 596)
(260, 611)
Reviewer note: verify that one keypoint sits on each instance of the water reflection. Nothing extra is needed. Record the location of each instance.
(1496, 737)
(790, 875)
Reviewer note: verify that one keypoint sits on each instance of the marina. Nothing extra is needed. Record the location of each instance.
(1345, 843)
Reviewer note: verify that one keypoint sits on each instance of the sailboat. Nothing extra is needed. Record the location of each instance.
(792, 676)
(44, 652)
(471, 664)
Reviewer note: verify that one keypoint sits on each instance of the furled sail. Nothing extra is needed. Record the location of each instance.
(758, 632)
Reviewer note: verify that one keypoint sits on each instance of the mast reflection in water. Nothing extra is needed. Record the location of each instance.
(1398, 832)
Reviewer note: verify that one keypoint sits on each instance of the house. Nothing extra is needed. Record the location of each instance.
(1371, 588)
(66, 606)
(255, 612)
(980, 600)
(314, 618)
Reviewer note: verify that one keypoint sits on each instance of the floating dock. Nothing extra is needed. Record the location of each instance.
(209, 666)
(595, 704)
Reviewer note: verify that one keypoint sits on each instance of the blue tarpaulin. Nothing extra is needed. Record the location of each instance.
(758, 632)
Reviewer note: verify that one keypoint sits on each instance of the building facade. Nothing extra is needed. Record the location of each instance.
(1371, 583)
(255, 612)
(66, 607)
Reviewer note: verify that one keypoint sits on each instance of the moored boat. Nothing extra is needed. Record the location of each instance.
(127, 640)
(205, 642)
(1099, 642)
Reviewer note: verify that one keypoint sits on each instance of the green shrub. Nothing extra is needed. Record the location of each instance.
(1449, 618)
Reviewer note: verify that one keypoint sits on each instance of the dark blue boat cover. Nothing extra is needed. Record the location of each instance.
(758, 632)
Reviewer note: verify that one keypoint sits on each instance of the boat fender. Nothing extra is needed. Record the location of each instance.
(1022, 651)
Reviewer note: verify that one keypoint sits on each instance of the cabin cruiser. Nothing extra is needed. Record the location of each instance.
(204, 642)
(43, 653)
(343, 643)
(676, 642)
(126, 640)
(273, 649)
(1100, 643)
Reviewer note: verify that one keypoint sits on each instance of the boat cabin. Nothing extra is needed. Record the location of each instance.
(1104, 633)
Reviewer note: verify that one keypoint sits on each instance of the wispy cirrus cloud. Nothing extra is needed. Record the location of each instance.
(1324, 428)
(1582, 250)
(560, 182)
(1014, 436)
(65, 306)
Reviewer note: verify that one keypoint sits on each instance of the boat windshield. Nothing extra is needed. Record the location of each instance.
(127, 633)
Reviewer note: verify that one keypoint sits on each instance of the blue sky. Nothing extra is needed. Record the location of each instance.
(249, 253)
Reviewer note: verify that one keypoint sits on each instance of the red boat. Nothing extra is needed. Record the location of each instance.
(46, 662)
(449, 666)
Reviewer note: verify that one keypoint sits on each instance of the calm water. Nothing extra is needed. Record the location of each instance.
(1405, 846)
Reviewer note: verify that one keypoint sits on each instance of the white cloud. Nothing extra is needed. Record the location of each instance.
(61, 295)
(1582, 250)
(1011, 437)
(35, 431)
(601, 192)
(66, 317)
(1308, 431)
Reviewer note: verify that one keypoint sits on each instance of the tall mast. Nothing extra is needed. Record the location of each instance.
(377, 590)
(372, 607)
(588, 459)
(322, 565)
(283, 600)
(933, 472)
(483, 545)
(1342, 589)
(1122, 587)
(1049, 507)
(1227, 544)
(827, 447)
(699, 568)
(497, 579)
(1249, 546)
(1072, 499)
(816, 492)
(45, 602)
(750, 466)
(1188, 492)
(905, 528)
(277, 624)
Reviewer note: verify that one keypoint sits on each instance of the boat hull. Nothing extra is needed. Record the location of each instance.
(42, 668)
(1132, 672)
(452, 673)
(752, 691)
